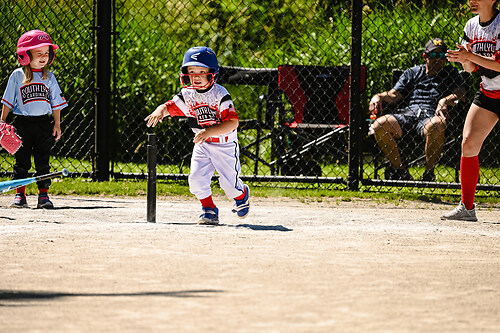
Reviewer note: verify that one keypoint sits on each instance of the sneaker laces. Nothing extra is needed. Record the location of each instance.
(241, 206)
(209, 213)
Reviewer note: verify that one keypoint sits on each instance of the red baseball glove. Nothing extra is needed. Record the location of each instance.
(9, 139)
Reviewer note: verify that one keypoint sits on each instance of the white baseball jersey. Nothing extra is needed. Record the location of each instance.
(38, 98)
(207, 108)
(484, 40)
(221, 153)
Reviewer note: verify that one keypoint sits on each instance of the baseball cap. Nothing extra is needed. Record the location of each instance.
(435, 45)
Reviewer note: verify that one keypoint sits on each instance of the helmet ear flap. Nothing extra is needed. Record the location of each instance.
(24, 58)
(30, 56)
(212, 76)
(185, 80)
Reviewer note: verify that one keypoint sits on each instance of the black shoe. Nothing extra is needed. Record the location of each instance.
(397, 174)
(44, 202)
(19, 201)
(429, 176)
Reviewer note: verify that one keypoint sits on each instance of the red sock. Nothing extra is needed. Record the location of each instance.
(21, 189)
(208, 202)
(241, 196)
(469, 174)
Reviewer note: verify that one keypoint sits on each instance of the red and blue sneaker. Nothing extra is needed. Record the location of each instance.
(19, 201)
(242, 207)
(210, 216)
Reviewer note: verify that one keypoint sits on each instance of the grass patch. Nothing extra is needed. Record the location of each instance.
(138, 188)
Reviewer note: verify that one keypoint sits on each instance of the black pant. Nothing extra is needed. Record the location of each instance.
(36, 133)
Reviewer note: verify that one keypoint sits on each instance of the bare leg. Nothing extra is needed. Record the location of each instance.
(478, 125)
(434, 140)
(387, 130)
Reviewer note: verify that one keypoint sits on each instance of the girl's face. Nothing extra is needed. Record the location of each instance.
(40, 57)
(199, 77)
(476, 6)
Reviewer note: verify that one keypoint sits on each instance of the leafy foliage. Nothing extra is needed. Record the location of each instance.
(150, 38)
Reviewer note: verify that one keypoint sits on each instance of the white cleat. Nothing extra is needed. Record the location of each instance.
(461, 213)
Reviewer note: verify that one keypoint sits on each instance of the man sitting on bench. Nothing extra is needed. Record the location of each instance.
(431, 89)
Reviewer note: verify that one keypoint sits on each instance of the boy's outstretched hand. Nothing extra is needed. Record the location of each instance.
(156, 117)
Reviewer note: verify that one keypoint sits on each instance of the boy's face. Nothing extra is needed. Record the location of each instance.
(40, 57)
(199, 77)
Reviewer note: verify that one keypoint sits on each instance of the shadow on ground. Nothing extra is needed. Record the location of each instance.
(263, 227)
(24, 295)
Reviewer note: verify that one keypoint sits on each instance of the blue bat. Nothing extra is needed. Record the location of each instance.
(15, 183)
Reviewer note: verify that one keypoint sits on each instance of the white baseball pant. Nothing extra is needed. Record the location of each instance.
(208, 157)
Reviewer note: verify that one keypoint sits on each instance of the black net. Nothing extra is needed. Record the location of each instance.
(418, 143)
(309, 56)
(70, 25)
(286, 65)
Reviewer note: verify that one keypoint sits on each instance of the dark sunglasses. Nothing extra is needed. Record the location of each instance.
(433, 55)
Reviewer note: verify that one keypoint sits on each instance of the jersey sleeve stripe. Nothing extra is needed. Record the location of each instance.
(225, 98)
(181, 97)
(58, 106)
(7, 103)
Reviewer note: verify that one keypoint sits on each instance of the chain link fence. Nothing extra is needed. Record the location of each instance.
(286, 65)
(394, 40)
(70, 25)
(252, 41)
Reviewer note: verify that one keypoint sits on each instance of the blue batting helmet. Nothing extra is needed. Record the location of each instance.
(201, 56)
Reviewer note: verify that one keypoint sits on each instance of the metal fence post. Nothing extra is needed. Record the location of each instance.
(355, 117)
(103, 96)
(151, 191)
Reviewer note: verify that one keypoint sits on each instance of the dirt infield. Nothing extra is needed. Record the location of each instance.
(94, 264)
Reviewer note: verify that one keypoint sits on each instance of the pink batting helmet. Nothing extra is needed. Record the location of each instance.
(31, 40)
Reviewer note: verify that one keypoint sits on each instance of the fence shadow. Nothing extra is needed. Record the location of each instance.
(83, 207)
(26, 295)
(247, 226)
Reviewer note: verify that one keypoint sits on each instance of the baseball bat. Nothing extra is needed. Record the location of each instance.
(15, 183)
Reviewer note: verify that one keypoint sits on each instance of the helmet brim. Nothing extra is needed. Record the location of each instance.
(194, 63)
(27, 48)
